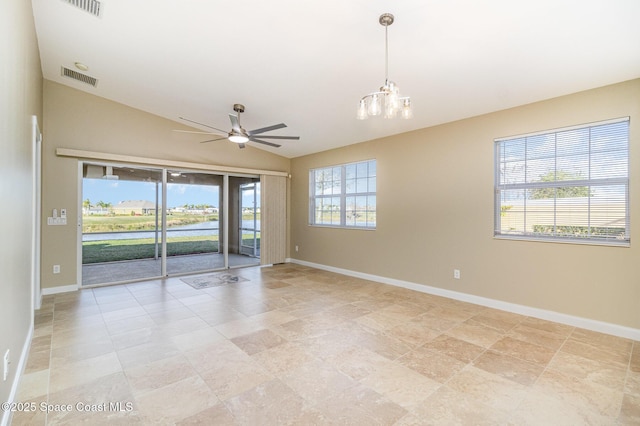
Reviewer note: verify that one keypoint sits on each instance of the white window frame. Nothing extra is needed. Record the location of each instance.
(343, 195)
(618, 177)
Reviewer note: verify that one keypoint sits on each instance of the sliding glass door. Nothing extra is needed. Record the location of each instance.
(121, 223)
(142, 223)
(250, 222)
(194, 222)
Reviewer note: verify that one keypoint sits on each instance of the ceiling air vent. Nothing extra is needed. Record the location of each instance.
(66, 72)
(94, 7)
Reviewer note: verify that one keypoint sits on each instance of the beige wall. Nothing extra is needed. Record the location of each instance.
(78, 120)
(435, 213)
(20, 98)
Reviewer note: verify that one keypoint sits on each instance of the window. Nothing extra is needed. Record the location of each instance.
(343, 195)
(566, 185)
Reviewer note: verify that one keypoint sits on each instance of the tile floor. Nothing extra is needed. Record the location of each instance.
(296, 345)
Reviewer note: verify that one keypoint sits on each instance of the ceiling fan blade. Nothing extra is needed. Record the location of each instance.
(235, 123)
(202, 124)
(213, 140)
(280, 137)
(267, 129)
(191, 131)
(275, 145)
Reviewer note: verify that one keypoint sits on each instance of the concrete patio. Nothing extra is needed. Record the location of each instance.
(133, 270)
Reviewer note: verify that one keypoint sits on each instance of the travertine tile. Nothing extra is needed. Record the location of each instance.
(80, 372)
(597, 351)
(271, 403)
(523, 350)
(630, 410)
(176, 401)
(197, 338)
(488, 388)
(581, 393)
(413, 333)
(33, 385)
(476, 333)
(541, 408)
(432, 364)
(537, 336)
(518, 370)
(315, 381)
(258, 341)
(611, 375)
(455, 348)
(447, 406)
(234, 376)
(106, 400)
(145, 353)
(283, 357)
(158, 374)
(217, 415)
(296, 345)
(358, 363)
(400, 384)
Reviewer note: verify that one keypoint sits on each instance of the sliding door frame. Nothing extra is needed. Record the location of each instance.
(163, 165)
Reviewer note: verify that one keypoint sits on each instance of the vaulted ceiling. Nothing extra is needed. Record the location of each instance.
(308, 63)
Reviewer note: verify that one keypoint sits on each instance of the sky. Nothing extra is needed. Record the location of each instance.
(114, 191)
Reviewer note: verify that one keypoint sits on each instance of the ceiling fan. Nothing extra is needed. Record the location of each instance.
(238, 134)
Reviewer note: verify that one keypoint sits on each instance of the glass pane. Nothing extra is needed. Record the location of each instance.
(361, 185)
(372, 168)
(512, 217)
(362, 170)
(372, 184)
(350, 170)
(351, 186)
(193, 222)
(121, 224)
(573, 168)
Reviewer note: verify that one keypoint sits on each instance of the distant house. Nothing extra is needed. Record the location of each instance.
(101, 211)
(134, 207)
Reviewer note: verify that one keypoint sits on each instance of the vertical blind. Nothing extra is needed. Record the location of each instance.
(273, 218)
(569, 184)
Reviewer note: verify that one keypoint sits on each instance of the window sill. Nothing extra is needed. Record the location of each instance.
(357, 228)
(611, 243)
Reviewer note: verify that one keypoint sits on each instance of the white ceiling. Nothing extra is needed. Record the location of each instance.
(308, 63)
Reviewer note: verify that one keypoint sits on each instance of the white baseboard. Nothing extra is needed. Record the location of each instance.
(586, 323)
(60, 289)
(22, 364)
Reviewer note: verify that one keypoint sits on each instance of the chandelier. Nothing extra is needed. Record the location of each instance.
(386, 101)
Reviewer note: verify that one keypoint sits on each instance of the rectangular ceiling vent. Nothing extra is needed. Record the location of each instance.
(93, 7)
(66, 72)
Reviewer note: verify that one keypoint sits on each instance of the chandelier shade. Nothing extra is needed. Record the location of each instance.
(386, 101)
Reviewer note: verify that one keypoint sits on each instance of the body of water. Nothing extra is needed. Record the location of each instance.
(195, 229)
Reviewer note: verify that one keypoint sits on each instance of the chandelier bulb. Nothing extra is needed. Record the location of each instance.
(407, 112)
(362, 110)
(375, 107)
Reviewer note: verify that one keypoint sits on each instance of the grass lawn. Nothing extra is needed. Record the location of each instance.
(116, 250)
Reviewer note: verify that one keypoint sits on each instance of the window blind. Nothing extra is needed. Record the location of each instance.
(569, 184)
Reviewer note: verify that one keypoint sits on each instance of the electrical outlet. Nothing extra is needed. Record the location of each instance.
(456, 274)
(56, 269)
(296, 248)
(5, 365)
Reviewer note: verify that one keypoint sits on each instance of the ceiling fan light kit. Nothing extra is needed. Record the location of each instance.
(387, 100)
(240, 136)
